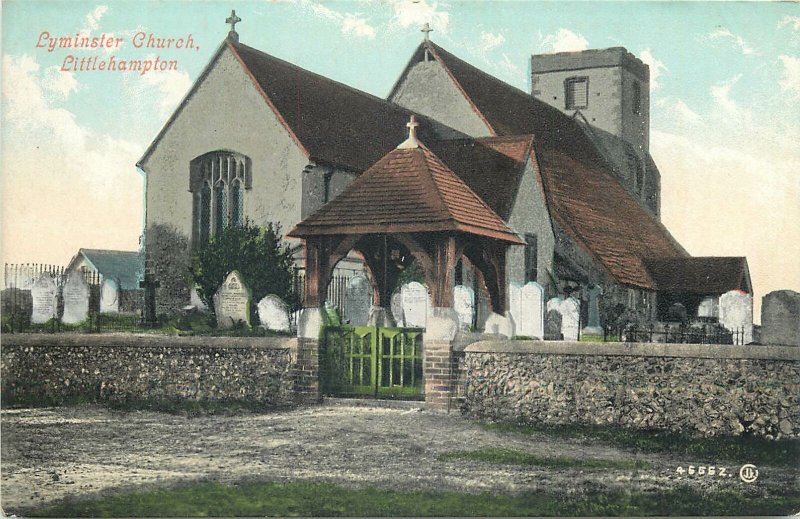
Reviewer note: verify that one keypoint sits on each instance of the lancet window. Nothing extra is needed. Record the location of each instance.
(218, 182)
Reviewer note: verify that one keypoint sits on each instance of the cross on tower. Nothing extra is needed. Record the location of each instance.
(427, 30)
(412, 141)
(233, 20)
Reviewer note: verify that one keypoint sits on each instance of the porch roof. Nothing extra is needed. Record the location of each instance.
(709, 275)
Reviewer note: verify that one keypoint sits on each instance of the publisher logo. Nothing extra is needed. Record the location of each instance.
(748, 473)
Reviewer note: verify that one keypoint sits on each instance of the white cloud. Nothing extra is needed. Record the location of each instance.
(791, 21)
(92, 21)
(351, 23)
(738, 42)
(59, 82)
(416, 13)
(491, 41)
(790, 80)
(509, 66)
(656, 66)
(564, 40)
(170, 86)
(71, 186)
(721, 92)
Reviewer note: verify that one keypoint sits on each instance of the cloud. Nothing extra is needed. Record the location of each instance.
(790, 80)
(791, 21)
(71, 186)
(351, 23)
(738, 42)
(62, 83)
(170, 86)
(656, 66)
(491, 41)
(721, 92)
(416, 13)
(92, 20)
(509, 66)
(564, 40)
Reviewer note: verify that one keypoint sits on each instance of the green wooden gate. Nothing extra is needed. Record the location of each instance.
(372, 361)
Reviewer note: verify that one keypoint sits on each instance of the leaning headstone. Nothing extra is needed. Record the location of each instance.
(464, 305)
(44, 293)
(515, 305)
(232, 302)
(109, 296)
(570, 316)
(708, 308)
(736, 315)
(530, 323)
(397, 309)
(273, 313)
(552, 326)
(415, 304)
(780, 318)
(76, 299)
(357, 300)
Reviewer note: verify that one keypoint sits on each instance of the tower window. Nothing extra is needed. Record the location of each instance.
(576, 92)
(637, 97)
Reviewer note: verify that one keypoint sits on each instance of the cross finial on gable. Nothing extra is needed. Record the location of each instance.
(412, 141)
(427, 30)
(233, 20)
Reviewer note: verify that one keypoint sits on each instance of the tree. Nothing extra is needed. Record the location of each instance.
(256, 252)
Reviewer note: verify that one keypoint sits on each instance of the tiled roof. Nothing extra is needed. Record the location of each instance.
(408, 190)
(701, 275)
(123, 266)
(492, 167)
(335, 123)
(596, 211)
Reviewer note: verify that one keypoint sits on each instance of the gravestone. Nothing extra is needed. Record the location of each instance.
(232, 302)
(464, 305)
(593, 325)
(195, 301)
(780, 318)
(357, 300)
(570, 316)
(44, 294)
(676, 313)
(109, 296)
(736, 314)
(515, 305)
(397, 309)
(273, 313)
(552, 326)
(415, 304)
(530, 323)
(76, 299)
(708, 308)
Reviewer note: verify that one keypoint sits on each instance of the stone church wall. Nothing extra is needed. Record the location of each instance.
(705, 390)
(51, 368)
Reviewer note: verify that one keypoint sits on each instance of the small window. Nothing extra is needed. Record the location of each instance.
(637, 97)
(531, 259)
(576, 93)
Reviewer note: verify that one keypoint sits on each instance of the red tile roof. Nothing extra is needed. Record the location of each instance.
(702, 275)
(408, 190)
(335, 123)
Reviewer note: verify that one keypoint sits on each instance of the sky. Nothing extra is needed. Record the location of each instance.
(725, 99)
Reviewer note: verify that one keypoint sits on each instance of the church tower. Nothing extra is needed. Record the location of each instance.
(608, 91)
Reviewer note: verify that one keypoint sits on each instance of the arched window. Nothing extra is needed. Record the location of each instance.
(218, 181)
(636, 169)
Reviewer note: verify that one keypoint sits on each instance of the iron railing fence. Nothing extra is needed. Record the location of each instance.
(675, 333)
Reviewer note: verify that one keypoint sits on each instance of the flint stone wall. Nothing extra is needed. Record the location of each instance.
(119, 367)
(699, 389)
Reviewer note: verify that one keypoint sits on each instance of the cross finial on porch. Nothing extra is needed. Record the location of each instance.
(427, 30)
(233, 20)
(412, 141)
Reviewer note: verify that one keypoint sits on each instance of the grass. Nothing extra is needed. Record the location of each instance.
(319, 499)
(516, 457)
(740, 449)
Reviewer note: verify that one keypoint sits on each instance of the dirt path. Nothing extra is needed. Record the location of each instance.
(53, 453)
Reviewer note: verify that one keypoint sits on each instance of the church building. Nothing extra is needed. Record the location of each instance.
(562, 175)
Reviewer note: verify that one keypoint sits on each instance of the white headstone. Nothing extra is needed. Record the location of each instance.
(273, 313)
(232, 302)
(76, 299)
(515, 304)
(530, 322)
(195, 301)
(736, 314)
(397, 309)
(416, 304)
(464, 305)
(570, 316)
(357, 300)
(709, 307)
(109, 296)
(44, 293)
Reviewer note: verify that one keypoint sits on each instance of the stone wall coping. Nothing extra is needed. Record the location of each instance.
(112, 340)
(701, 351)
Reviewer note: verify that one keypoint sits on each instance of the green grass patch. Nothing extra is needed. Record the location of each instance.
(318, 499)
(516, 457)
(739, 449)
